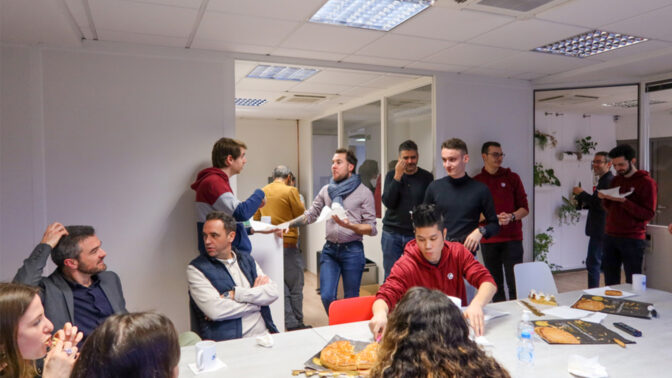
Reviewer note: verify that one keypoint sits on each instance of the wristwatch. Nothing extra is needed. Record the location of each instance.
(513, 217)
(482, 230)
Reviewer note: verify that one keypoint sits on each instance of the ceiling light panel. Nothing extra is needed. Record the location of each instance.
(250, 101)
(591, 43)
(264, 71)
(381, 15)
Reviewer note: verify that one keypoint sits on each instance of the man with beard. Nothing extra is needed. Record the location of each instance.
(626, 216)
(343, 253)
(80, 290)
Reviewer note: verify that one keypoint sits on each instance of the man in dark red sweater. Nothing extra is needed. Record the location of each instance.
(434, 263)
(626, 217)
(505, 249)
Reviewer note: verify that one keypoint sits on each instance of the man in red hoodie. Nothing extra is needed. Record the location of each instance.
(434, 263)
(627, 216)
(506, 248)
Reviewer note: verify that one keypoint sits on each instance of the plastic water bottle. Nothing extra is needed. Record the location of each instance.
(525, 325)
(525, 353)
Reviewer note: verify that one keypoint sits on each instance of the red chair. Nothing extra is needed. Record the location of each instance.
(350, 310)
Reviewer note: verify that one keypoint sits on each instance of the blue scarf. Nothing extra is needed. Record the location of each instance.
(339, 190)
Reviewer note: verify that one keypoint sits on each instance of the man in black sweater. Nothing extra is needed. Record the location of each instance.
(596, 216)
(405, 187)
(462, 199)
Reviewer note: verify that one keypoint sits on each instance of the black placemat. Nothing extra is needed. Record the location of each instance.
(617, 306)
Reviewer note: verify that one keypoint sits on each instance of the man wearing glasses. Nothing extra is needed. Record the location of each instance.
(596, 216)
(506, 248)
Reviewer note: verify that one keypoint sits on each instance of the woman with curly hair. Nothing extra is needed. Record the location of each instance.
(426, 336)
(135, 345)
(25, 335)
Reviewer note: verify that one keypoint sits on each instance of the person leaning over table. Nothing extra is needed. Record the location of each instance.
(228, 292)
(431, 261)
(81, 290)
(427, 337)
(25, 335)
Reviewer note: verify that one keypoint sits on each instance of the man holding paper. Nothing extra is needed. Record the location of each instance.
(353, 215)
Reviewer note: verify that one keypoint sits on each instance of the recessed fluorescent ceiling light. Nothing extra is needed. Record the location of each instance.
(369, 14)
(591, 43)
(264, 71)
(250, 101)
(631, 103)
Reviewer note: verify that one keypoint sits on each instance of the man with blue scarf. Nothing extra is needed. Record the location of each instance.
(343, 252)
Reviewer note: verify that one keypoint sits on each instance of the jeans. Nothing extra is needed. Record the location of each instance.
(345, 259)
(594, 261)
(293, 270)
(393, 247)
(503, 255)
(617, 251)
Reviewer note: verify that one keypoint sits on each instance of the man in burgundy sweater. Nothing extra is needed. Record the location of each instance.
(626, 217)
(434, 263)
(505, 249)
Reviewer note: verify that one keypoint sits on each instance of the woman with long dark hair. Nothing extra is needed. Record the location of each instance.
(141, 344)
(25, 335)
(427, 336)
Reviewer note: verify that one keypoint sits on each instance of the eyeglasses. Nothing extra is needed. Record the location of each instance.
(598, 162)
(496, 155)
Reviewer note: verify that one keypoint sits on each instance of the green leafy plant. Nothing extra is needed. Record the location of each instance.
(567, 212)
(544, 176)
(542, 246)
(585, 145)
(543, 139)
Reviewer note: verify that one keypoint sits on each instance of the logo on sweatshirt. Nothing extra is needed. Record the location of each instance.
(503, 185)
(450, 276)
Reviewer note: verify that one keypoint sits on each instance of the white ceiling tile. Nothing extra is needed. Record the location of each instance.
(208, 44)
(527, 34)
(143, 39)
(330, 38)
(337, 76)
(308, 54)
(307, 87)
(470, 55)
(248, 84)
(388, 81)
(451, 24)
(494, 72)
(32, 22)
(437, 66)
(193, 4)
(296, 10)
(655, 24)
(540, 63)
(242, 68)
(377, 61)
(595, 13)
(126, 16)
(640, 48)
(243, 29)
(404, 47)
(360, 91)
(528, 76)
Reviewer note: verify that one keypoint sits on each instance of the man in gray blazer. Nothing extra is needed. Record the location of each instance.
(80, 290)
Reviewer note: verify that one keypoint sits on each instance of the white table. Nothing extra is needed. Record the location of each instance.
(650, 357)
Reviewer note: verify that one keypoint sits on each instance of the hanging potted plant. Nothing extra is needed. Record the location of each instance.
(585, 145)
(567, 212)
(544, 176)
(542, 246)
(543, 139)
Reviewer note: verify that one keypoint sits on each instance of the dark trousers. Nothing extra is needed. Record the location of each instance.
(293, 270)
(393, 247)
(594, 261)
(503, 255)
(345, 259)
(617, 251)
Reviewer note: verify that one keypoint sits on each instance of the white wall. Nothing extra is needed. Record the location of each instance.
(270, 142)
(477, 110)
(112, 137)
(570, 242)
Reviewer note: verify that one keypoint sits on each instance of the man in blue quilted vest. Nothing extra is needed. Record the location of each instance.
(228, 293)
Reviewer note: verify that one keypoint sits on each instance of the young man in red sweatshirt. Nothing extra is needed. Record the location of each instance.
(505, 249)
(434, 263)
(627, 217)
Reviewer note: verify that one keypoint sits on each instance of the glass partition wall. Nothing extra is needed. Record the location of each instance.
(373, 131)
(571, 125)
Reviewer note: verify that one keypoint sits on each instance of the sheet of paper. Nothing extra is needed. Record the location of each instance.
(615, 192)
(566, 312)
(261, 226)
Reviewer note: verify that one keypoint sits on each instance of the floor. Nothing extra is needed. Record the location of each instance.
(314, 314)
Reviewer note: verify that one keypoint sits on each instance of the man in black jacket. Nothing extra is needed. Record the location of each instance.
(80, 290)
(596, 216)
(404, 188)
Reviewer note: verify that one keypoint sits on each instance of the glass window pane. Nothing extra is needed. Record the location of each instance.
(325, 142)
(661, 152)
(409, 116)
(361, 134)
